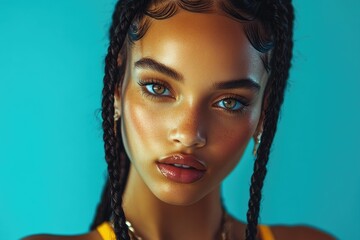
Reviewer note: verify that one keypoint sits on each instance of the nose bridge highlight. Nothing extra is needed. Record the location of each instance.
(189, 130)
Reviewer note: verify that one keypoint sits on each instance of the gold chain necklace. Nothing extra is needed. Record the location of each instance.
(226, 224)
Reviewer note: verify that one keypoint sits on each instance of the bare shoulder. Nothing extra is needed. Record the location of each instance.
(284, 232)
(93, 235)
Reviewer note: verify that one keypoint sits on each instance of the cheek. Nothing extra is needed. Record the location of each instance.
(233, 139)
(142, 128)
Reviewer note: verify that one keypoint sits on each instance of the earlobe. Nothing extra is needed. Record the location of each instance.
(116, 114)
(257, 140)
(117, 104)
(258, 133)
(260, 126)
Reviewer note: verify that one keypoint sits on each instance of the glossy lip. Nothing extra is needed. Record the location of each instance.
(194, 172)
(184, 159)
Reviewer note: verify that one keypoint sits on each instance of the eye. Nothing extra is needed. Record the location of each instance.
(230, 104)
(157, 89)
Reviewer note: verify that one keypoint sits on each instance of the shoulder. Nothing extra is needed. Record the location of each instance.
(285, 232)
(93, 235)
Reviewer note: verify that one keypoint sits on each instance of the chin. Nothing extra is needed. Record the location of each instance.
(179, 194)
(156, 187)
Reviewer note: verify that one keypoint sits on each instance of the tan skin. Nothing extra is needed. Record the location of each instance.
(205, 51)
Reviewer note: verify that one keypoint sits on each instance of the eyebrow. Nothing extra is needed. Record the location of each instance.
(149, 63)
(239, 83)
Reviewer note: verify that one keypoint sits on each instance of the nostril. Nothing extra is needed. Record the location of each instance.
(187, 141)
(187, 137)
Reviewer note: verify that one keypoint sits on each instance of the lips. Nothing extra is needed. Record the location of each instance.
(182, 168)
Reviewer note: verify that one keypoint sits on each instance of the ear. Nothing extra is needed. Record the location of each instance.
(258, 132)
(264, 105)
(260, 127)
(117, 103)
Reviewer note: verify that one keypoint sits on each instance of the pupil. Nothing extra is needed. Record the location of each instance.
(158, 89)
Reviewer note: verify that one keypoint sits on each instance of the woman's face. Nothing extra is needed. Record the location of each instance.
(190, 102)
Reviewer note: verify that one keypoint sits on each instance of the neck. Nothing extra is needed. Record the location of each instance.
(153, 218)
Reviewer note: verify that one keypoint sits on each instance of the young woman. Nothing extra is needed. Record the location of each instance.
(187, 85)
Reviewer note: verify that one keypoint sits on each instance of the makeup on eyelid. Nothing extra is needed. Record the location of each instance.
(156, 89)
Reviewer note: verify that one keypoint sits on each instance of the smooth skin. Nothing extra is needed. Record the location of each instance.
(193, 85)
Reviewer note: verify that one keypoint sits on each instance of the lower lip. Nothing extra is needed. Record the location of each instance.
(180, 175)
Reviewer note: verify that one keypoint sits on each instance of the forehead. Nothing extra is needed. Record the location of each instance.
(198, 43)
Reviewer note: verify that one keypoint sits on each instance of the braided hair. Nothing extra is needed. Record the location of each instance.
(114, 150)
(269, 28)
(280, 63)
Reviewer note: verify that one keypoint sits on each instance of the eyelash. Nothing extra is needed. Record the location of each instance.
(144, 83)
(239, 100)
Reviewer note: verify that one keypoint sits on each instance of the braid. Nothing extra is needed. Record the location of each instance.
(103, 211)
(282, 26)
(124, 13)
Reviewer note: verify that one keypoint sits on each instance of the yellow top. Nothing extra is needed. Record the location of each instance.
(106, 232)
(265, 233)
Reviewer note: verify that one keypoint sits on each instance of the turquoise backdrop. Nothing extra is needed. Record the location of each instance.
(52, 164)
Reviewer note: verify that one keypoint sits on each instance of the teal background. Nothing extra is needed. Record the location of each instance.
(51, 152)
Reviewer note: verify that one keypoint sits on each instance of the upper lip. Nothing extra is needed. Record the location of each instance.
(184, 159)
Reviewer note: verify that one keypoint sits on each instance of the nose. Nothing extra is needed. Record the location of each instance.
(189, 130)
